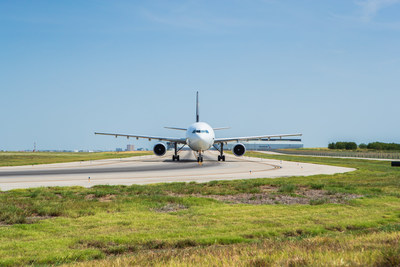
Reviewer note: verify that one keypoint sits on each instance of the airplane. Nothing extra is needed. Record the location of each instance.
(200, 137)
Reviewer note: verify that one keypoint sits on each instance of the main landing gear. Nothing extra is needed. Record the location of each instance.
(176, 156)
(221, 156)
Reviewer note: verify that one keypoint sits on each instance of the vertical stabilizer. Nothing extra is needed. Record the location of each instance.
(197, 106)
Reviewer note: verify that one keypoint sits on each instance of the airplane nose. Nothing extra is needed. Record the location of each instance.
(198, 143)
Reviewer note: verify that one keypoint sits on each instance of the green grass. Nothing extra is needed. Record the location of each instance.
(166, 224)
(34, 158)
(359, 153)
(287, 188)
(340, 150)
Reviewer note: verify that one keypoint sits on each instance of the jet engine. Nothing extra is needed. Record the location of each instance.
(160, 149)
(239, 150)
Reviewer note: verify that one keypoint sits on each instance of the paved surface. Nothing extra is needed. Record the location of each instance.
(153, 169)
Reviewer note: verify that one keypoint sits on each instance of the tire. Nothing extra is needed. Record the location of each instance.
(177, 158)
(223, 157)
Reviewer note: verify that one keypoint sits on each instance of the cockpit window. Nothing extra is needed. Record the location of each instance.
(200, 131)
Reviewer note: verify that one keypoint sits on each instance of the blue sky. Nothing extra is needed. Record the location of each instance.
(328, 69)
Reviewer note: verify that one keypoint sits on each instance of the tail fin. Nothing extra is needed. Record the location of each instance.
(197, 106)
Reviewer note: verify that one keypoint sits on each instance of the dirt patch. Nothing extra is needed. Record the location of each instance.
(171, 207)
(107, 198)
(271, 196)
(90, 197)
(268, 188)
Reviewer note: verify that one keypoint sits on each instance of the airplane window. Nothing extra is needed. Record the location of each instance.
(200, 131)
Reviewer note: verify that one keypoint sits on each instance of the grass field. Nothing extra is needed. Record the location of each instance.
(34, 158)
(359, 153)
(197, 224)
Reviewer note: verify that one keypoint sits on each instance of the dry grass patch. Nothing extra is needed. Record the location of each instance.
(377, 249)
(171, 207)
(287, 195)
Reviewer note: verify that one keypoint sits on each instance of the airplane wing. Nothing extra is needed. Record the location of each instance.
(169, 139)
(249, 138)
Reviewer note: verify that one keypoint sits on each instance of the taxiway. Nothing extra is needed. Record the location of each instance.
(153, 169)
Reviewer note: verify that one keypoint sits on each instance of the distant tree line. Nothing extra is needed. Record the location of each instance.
(343, 145)
(373, 145)
(383, 146)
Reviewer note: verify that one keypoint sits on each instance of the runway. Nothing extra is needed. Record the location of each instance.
(153, 169)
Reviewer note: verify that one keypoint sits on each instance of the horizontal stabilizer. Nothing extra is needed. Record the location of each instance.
(176, 128)
(221, 128)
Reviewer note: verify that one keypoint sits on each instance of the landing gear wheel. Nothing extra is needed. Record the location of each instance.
(175, 157)
(200, 159)
(223, 157)
(219, 158)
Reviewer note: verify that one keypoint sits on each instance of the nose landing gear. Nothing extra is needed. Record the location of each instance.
(200, 157)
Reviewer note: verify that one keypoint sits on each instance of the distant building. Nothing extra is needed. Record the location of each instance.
(118, 149)
(130, 148)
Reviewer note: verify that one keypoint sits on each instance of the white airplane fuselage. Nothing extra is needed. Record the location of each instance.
(200, 136)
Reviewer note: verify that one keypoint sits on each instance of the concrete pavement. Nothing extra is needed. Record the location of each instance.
(153, 169)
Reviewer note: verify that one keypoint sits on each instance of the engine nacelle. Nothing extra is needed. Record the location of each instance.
(159, 149)
(239, 150)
